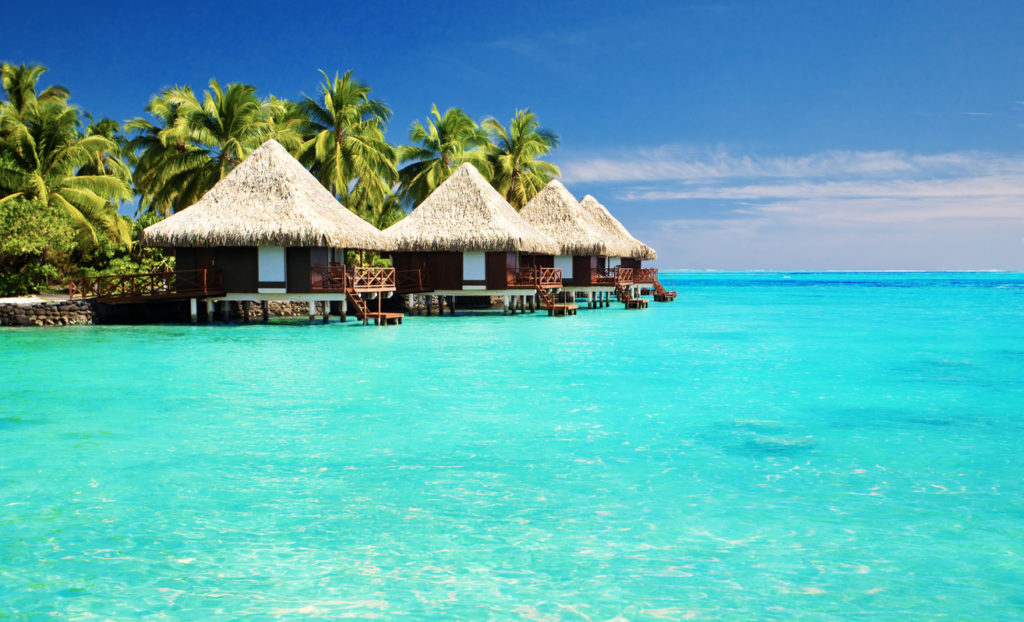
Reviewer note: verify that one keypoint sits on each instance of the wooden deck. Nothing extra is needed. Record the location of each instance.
(563, 308)
(384, 318)
(165, 285)
(363, 279)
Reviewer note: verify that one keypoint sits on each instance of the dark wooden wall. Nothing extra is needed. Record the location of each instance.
(240, 265)
(582, 268)
(537, 261)
(629, 262)
(497, 266)
(297, 275)
(443, 269)
(184, 259)
(237, 263)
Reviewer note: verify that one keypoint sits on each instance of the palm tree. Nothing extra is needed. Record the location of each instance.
(19, 84)
(445, 143)
(196, 143)
(47, 159)
(147, 151)
(107, 162)
(518, 174)
(384, 213)
(346, 149)
(286, 120)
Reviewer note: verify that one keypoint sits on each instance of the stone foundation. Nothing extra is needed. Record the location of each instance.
(40, 312)
(46, 313)
(275, 308)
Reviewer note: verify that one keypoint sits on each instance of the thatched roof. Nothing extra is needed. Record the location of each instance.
(465, 213)
(623, 243)
(268, 200)
(555, 212)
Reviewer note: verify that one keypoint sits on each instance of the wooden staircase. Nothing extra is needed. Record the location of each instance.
(661, 294)
(363, 313)
(357, 304)
(554, 308)
(623, 295)
(370, 279)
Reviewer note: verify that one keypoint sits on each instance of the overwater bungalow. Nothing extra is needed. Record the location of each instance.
(626, 260)
(270, 231)
(582, 244)
(464, 239)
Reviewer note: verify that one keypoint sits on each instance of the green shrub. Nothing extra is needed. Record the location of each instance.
(32, 235)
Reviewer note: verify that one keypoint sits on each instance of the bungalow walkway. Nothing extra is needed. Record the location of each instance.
(164, 285)
(208, 284)
(540, 279)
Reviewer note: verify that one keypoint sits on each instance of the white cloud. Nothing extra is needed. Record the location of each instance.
(676, 164)
(829, 210)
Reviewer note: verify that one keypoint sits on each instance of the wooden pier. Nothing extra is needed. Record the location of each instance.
(383, 318)
(162, 285)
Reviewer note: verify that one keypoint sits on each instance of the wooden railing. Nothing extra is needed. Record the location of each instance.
(409, 281)
(339, 278)
(150, 285)
(611, 276)
(372, 279)
(535, 277)
(645, 275)
(600, 276)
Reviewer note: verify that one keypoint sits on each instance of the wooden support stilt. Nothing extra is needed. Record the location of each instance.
(245, 311)
(209, 311)
(265, 308)
(193, 310)
(504, 304)
(327, 311)
(451, 305)
(533, 303)
(312, 311)
(344, 311)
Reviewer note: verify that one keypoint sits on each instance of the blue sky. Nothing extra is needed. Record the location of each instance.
(729, 135)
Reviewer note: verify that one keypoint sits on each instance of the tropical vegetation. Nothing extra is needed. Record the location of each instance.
(66, 176)
(442, 145)
(517, 172)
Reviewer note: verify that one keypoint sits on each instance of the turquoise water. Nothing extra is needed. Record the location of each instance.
(769, 446)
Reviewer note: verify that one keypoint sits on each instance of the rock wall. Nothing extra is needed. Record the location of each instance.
(39, 312)
(275, 308)
(46, 313)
